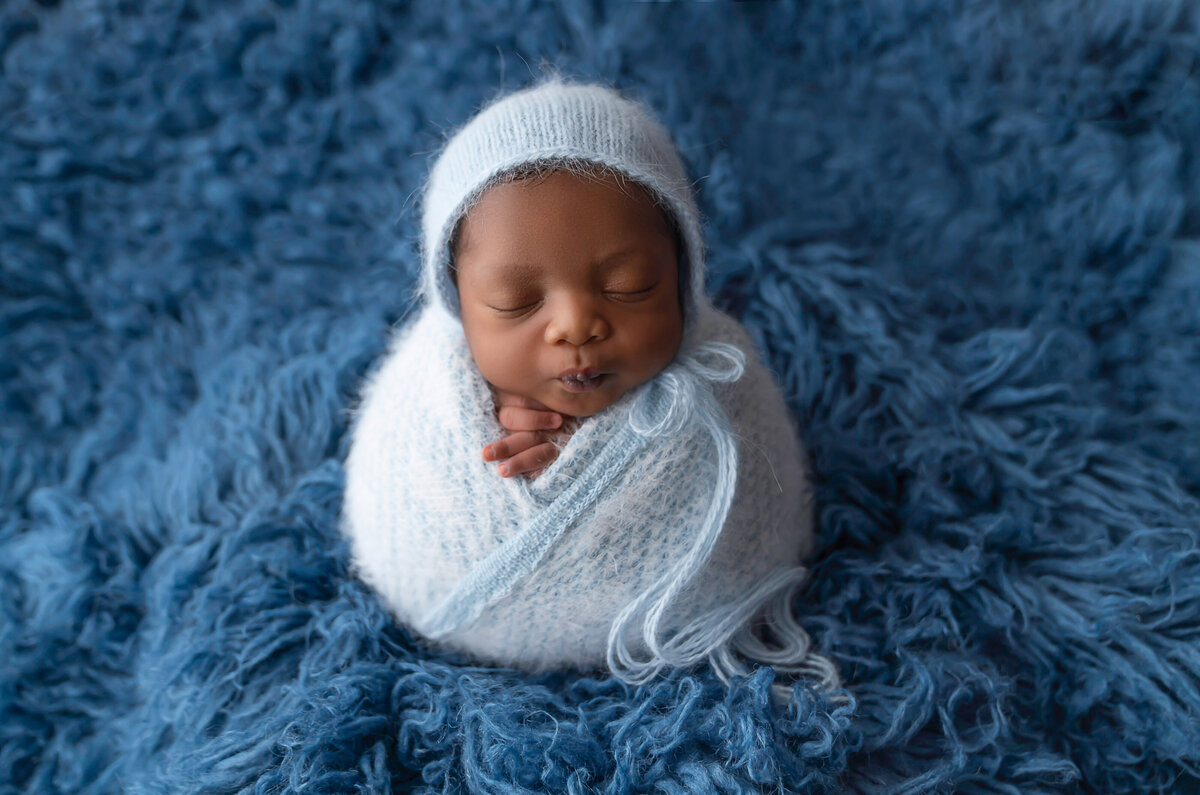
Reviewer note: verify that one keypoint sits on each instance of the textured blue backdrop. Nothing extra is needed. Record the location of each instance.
(965, 234)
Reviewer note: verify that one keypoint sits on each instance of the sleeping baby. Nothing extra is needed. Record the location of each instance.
(569, 458)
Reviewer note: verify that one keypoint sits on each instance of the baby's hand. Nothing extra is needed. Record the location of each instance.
(528, 450)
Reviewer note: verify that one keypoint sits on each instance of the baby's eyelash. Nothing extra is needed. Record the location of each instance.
(619, 295)
(516, 309)
(631, 293)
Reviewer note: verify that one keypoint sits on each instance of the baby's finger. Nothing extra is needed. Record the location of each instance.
(514, 418)
(504, 398)
(531, 460)
(511, 445)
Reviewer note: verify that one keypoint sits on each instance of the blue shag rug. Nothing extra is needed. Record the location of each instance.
(966, 236)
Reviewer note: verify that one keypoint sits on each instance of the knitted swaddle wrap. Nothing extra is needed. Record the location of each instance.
(632, 579)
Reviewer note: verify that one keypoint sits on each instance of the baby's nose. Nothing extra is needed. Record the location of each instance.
(576, 321)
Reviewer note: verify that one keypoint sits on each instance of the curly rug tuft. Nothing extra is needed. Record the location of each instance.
(965, 235)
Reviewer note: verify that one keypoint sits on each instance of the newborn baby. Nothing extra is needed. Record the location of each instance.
(565, 334)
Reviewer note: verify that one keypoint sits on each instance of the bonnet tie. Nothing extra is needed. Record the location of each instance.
(666, 405)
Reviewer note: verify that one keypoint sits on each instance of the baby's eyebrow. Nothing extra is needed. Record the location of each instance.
(624, 253)
(519, 272)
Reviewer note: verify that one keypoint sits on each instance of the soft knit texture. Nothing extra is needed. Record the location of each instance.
(965, 237)
(632, 508)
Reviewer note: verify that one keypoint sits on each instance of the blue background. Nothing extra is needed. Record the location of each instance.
(966, 236)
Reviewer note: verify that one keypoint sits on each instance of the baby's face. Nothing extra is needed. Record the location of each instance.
(569, 288)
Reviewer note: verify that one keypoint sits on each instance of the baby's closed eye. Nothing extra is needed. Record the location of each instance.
(514, 303)
(631, 293)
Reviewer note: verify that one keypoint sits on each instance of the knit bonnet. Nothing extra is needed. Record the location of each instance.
(557, 122)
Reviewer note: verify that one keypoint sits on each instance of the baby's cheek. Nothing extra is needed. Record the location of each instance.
(507, 373)
(495, 360)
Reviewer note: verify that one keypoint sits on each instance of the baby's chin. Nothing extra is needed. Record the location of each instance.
(580, 409)
(583, 403)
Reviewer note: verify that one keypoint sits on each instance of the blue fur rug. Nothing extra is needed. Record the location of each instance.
(966, 236)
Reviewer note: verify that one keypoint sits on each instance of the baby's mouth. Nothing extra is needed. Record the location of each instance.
(582, 380)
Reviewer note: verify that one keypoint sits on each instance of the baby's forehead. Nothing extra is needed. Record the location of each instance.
(505, 202)
(519, 182)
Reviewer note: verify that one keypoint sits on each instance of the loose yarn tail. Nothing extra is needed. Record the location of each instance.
(792, 656)
(685, 647)
(723, 634)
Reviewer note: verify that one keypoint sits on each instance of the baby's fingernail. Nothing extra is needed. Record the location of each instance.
(488, 453)
(555, 420)
(504, 470)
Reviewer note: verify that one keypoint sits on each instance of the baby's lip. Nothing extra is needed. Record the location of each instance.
(587, 372)
(579, 381)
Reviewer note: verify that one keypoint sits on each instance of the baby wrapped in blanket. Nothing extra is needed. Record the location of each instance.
(650, 507)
